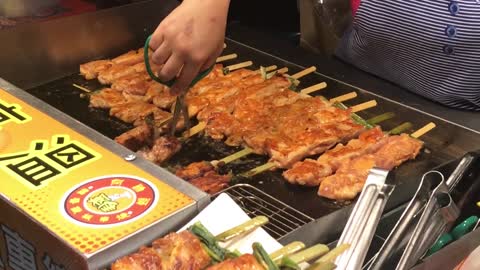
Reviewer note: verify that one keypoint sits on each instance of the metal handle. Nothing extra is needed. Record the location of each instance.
(200, 76)
(439, 211)
(364, 219)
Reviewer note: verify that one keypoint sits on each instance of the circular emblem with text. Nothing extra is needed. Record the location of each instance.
(110, 200)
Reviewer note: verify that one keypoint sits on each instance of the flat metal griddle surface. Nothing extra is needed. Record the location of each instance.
(446, 142)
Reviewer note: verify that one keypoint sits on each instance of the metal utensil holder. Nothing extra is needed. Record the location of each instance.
(430, 213)
(363, 221)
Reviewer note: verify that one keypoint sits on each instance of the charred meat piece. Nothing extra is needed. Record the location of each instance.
(244, 262)
(145, 258)
(91, 70)
(309, 172)
(396, 151)
(349, 179)
(135, 84)
(163, 98)
(182, 251)
(219, 113)
(204, 176)
(118, 71)
(306, 127)
(163, 148)
(129, 58)
(212, 182)
(194, 170)
(199, 97)
(286, 151)
(136, 138)
(136, 112)
(106, 98)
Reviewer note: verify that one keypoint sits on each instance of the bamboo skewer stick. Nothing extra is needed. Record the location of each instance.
(238, 66)
(304, 72)
(364, 106)
(282, 70)
(417, 134)
(269, 68)
(314, 88)
(195, 130)
(343, 98)
(226, 57)
(82, 88)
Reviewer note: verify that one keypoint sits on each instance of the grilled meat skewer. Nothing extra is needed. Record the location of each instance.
(182, 251)
(350, 177)
(309, 172)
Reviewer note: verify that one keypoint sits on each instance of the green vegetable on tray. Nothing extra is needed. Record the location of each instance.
(263, 258)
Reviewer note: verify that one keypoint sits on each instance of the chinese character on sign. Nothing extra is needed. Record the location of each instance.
(104, 219)
(50, 265)
(103, 203)
(11, 112)
(20, 253)
(143, 201)
(41, 163)
(123, 216)
(117, 182)
(138, 188)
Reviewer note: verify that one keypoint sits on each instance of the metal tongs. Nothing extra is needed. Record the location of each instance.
(363, 221)
(180, 106)
(430, 213)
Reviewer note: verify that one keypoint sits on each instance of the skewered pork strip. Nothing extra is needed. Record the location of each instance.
(131, 57)
(91, 70)
(179, 251)
(219, 116)
(287, 133)
(350, 177)
(203, 95)
(136, 84)
(106, 98)
(136, 112)
(309, 172)
(118, 71)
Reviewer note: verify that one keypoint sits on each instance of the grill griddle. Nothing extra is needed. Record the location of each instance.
(446, 142)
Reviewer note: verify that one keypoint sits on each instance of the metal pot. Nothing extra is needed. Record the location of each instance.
(20, 8)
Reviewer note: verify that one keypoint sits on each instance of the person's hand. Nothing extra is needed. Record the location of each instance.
(189, 40)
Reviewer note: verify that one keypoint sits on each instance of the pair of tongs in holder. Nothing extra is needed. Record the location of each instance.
(361, 226)
(429, 214)
(179, 107)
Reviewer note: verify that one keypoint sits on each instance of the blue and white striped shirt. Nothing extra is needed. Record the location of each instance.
(429, 47)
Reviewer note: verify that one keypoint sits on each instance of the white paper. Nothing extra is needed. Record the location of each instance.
(223, 214)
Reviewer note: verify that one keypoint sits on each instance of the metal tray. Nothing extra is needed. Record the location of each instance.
(446, 142)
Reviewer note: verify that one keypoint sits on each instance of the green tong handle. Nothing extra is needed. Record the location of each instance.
(172, 81)
(460, 230)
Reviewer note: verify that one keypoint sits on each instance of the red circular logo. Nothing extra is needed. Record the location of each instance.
(110, 200)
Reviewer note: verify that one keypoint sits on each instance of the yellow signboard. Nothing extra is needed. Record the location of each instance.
(84, 193)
